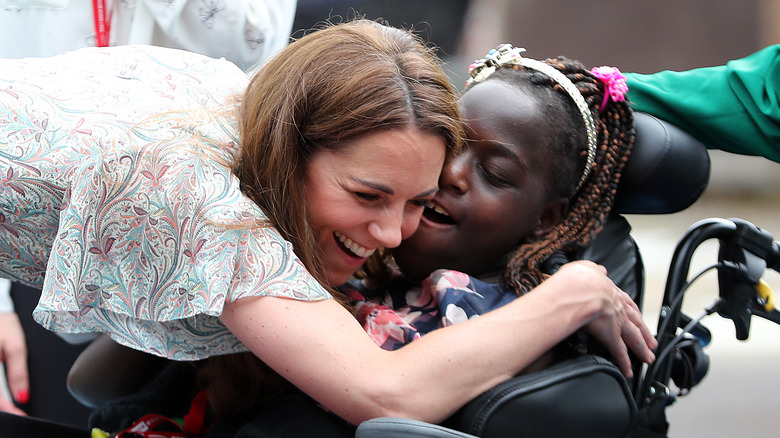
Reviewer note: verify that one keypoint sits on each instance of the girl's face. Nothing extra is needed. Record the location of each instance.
(493, 196)
(370, 193)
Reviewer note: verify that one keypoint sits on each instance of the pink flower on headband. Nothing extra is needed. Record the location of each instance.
(615, 86)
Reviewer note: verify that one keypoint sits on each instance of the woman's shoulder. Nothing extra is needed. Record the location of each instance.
(100, 89)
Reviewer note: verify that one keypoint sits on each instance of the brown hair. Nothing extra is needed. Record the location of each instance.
(332, 85)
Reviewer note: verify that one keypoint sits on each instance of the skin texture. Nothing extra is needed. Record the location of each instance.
(370, 194)
(493, 196)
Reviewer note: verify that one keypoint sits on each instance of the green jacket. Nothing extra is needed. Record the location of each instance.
(733, 107)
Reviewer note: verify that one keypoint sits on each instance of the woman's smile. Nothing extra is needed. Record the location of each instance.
(351, 247)
(370, 194)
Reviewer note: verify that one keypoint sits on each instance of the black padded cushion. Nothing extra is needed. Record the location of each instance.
(668, 169)
(18, 426)
(582, 397)
(615, 249)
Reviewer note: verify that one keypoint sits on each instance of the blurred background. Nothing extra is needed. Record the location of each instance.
(737, 396)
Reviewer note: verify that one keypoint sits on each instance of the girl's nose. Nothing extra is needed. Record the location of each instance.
(456, 173)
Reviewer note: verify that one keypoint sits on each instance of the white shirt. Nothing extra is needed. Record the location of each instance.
(6, 304)
(244, 32)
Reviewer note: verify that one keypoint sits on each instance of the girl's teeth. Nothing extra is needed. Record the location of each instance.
(354, 247)
(439, 210)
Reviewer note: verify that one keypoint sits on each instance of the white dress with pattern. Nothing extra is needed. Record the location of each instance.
(116, 197)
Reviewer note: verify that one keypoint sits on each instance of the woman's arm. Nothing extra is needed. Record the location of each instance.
(322, 349)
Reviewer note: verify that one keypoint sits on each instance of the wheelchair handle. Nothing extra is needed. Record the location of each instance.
(746, 252)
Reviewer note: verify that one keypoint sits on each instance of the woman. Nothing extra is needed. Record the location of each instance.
(332, 103)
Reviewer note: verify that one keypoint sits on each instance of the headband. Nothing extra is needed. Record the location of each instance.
(506, 54)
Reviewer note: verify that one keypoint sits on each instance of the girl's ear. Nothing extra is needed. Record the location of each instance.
(551, 216)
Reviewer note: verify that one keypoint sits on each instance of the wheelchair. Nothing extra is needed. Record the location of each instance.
(587, 396)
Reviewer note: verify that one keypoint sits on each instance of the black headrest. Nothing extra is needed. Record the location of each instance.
(667, 172)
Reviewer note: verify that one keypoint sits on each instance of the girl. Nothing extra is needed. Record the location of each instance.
(531, 188)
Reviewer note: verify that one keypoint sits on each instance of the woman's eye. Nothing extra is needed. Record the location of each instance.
(366, 196)
(425, 203)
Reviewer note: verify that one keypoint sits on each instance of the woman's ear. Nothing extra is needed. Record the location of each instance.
(551, 216)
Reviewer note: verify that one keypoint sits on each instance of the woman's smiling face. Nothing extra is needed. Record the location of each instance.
(369, 194)
(494, 194)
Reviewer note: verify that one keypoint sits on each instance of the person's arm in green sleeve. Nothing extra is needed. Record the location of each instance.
(734, 107)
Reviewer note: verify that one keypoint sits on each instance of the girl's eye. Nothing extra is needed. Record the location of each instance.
(366, 196)
(492, 177)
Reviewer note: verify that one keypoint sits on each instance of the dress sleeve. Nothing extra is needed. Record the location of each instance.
(734, 107)
(153, 240)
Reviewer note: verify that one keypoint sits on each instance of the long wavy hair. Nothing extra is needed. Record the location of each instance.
(333, 85)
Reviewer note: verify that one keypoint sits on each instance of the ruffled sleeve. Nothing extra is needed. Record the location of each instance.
(154, 239)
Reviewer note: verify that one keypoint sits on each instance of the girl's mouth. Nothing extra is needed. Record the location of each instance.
(351, 247)
(438, 215)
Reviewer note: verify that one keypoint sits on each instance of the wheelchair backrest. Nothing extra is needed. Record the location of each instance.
(667, 172)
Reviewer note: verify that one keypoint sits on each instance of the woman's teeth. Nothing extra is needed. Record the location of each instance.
(352, 246)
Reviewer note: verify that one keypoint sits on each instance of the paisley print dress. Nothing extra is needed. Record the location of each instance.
(117, 199)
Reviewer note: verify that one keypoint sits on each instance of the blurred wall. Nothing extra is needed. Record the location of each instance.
(437, 21)
(641, 36)
(636, 35)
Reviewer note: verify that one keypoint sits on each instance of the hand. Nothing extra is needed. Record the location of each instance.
(617, 322)
(13, 353)
(619, 326)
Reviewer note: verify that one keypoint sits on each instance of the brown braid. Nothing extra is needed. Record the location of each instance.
(590, 206)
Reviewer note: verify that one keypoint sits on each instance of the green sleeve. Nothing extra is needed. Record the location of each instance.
(733, 107)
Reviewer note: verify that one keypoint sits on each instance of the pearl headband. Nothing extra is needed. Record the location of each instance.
(506, 54)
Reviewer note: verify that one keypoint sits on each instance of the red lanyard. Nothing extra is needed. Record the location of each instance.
(193, 423)
(102, 22)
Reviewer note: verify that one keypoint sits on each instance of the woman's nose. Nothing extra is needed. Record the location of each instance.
(387, 229)
(456, 173)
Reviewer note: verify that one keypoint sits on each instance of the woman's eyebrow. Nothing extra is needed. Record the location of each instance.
(388, 190)
(375, 185)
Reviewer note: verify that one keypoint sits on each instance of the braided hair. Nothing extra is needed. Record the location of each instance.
(591, 202)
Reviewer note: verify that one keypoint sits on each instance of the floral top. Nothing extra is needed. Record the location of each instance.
(407, 310)
(116, 196)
